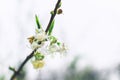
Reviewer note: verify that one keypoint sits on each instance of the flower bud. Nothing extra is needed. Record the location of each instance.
(52, 12)
(59, 11)
(39, 56)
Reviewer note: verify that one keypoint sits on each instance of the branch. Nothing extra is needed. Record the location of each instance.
(32, 53)
(53, 15)
(22, 65)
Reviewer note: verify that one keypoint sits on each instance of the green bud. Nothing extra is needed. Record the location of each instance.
(58, 43)
(52, 12)
(39, 56)
(53, 40)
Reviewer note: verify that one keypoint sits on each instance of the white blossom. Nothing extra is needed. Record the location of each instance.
(45, 45)
(63, 48)
(40, 36)
(53, 48)
(36, 44)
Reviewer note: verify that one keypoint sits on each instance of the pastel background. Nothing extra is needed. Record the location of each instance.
(90, 28)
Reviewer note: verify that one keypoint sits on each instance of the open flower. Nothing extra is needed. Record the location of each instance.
(37, 41)
(40, 36)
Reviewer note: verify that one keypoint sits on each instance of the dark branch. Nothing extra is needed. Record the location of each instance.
(22, 65)
(53, 15)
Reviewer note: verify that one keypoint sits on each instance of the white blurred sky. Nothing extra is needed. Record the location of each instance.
(91, 28)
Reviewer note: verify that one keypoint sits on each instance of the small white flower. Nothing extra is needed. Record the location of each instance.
(53, 48)
(40, 36)
(63, 48)
(35, 45)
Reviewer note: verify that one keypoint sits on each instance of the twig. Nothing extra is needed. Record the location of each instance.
(22, 65)
(53, 15)
(32, 53)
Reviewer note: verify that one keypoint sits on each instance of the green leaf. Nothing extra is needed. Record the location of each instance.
(51, 27)
(59, 4)
(12, 69)
(37, 22)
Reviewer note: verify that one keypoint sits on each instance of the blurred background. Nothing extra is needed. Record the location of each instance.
(90, 28)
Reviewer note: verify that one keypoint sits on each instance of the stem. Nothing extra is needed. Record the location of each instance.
(32, 53)
(53, 15)
(22, 65)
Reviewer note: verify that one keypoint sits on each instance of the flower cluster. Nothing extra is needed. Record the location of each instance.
(45, 44)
